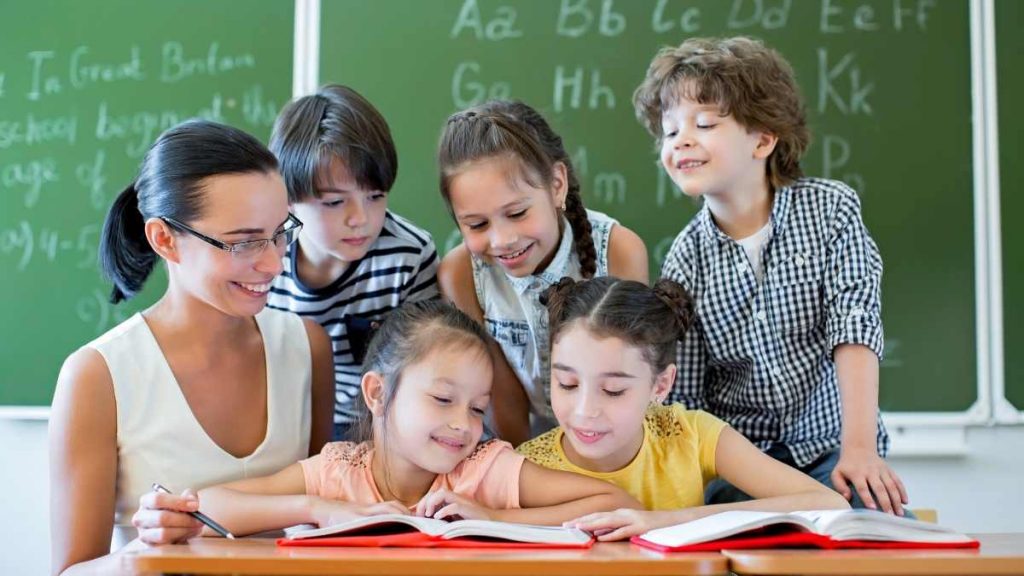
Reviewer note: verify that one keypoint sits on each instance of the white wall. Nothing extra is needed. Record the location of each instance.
(977, 493)
(24, 494)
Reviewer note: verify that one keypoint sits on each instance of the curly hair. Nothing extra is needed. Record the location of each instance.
(742, 76)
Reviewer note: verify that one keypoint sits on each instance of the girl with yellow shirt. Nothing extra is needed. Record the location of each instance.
(612, 365)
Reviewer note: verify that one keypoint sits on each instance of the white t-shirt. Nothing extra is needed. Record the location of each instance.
(753, 246)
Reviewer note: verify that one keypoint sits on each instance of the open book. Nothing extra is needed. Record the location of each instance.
(819, 528)
(415, 531)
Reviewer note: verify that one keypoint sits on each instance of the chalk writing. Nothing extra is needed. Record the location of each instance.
(500, 27)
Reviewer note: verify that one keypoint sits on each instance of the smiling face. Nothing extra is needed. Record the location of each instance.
(236, 208)
(601, 388)
(504, 219)
(437, 414)
(707, 153)
(344, 222)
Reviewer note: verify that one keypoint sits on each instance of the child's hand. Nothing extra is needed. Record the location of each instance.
(330, 512)
(872, 478)
(446, 504)
(625, 522)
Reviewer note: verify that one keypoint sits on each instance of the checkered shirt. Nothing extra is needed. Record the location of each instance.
(759, 356)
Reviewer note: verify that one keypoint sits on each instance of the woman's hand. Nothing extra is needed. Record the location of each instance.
(163, 518)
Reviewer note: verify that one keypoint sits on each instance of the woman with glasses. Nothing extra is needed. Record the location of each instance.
(206, 385)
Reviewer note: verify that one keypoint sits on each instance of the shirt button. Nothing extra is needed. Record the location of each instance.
(741, 267)
(760, 315)
(776, 371)
(799, 260)
(857, 311)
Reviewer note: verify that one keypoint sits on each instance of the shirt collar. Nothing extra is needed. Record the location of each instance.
(777, 218)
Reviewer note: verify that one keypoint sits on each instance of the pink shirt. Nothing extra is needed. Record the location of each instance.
(490, 475)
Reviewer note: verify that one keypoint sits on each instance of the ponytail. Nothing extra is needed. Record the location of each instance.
(126, 257)
(678, 301)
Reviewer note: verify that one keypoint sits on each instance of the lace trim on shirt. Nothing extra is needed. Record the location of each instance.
(350, 453)
(542, 450)
(662, 422)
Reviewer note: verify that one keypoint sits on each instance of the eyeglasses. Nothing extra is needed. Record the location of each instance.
(248, 248)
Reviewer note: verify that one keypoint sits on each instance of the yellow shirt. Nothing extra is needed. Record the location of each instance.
(675, 461)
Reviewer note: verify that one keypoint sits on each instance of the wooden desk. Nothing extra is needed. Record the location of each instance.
(261, 556)
(999, 554)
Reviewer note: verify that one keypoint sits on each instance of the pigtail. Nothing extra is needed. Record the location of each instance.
(553, 147)
(679, 301)
(126, 257)
(555, 298)
(576, 214)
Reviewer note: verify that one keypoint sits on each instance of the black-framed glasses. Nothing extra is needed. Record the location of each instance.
(247, 248)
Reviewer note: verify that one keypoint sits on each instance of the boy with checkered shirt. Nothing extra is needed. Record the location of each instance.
(786, 277)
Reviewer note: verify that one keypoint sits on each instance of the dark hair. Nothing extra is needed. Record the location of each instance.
(336, 122)
(170, 185)
(746, 79)
(409, 334)
(652, 319)
(514, 130)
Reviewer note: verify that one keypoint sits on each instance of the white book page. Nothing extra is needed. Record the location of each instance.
(517, 532)
(875, 525)
(425, 525)
(722, 525)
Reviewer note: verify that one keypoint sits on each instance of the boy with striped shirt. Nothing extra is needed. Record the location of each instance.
(354, 260)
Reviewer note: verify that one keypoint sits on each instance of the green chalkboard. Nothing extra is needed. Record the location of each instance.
(888, 90)
(1010, 82)
(85, 87)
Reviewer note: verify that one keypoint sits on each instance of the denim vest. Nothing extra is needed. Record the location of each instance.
(515, 317)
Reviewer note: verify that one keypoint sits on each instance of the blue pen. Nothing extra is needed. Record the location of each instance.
(200, 516)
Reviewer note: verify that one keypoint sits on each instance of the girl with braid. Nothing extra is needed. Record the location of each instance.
(512, 191)
(612, 365)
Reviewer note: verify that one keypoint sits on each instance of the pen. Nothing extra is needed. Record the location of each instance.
(200, 516)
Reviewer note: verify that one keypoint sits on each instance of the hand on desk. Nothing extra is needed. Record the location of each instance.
(331, 512)
(446, 504)
(624, 523)
(162, 518)
(872, 478)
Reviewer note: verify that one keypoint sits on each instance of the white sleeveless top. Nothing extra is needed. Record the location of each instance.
(160, 440)
(518, 321)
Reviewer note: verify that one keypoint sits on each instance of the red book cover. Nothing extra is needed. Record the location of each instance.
(421, 540)
(796, 540)
(405, 531)
(826, 529)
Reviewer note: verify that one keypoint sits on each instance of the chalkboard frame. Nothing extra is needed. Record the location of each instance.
(1004, 411)
(989, 382)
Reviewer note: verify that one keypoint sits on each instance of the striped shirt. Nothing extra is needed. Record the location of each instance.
(759, 355)
(400, 266)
